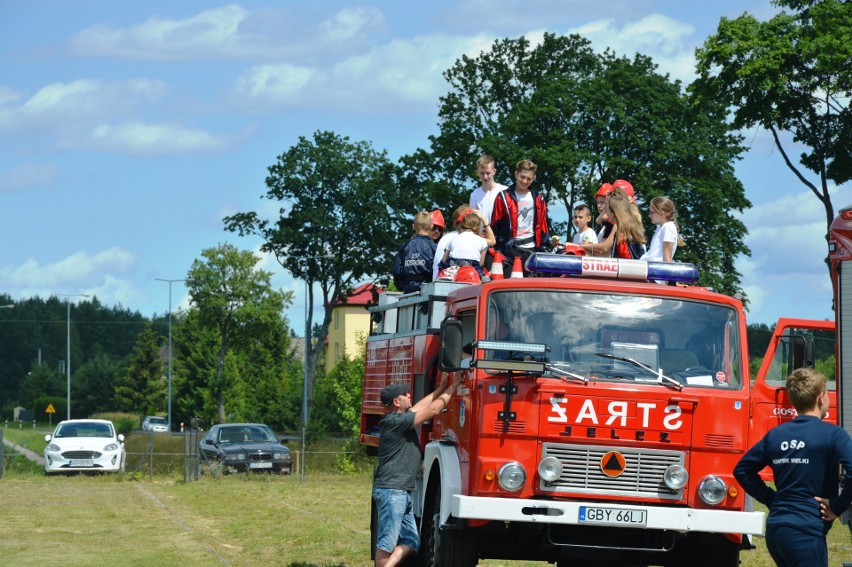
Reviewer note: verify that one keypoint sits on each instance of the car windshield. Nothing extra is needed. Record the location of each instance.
(595, 336)
(246, 434)
(157, 420)
(84, 430)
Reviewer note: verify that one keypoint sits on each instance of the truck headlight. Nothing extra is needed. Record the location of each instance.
(675, 476)
(549, 469)
(712, 490)
(511, 477)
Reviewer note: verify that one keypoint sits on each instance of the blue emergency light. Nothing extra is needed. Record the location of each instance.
(569, 265)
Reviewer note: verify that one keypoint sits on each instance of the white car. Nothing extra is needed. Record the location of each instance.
(84, 445)
(155, 424)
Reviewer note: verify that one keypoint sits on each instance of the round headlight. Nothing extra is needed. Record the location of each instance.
(111, 447)
(550, 469)
(675, 476)
(712, 490)
(511, 477)
(239, 456)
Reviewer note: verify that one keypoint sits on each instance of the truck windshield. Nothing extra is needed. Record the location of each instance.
(603, 337)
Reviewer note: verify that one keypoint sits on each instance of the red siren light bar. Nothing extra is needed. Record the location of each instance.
(568, 265)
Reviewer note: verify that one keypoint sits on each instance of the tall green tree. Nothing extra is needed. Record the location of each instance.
(586, 118)
(791, 74)
(94, 385)
(236, 300)
(340, 218)
(142, 388)
(193, 368)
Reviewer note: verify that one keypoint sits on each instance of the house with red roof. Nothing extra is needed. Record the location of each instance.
(349, 319)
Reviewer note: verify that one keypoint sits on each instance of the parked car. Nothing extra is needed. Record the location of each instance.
(240, 447)
(84, 445)
(156, 424)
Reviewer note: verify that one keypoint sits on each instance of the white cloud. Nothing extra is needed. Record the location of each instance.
(88, 114)
(94, 274)
(151, 139)
(86, 98)
(232, 32)
(274, 83)
(402, 75)
(669, 42)
(65, 107)
(209, 32)
(26, 176)
(787, 239)
(349, 23)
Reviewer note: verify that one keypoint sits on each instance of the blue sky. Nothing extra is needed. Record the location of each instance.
(130, 129)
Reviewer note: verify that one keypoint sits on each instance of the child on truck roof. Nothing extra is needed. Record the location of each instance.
(582, 220)
(413, 263)
(468, 248)
(666, 239)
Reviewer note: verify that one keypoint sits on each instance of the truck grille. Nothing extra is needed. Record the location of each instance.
(642, 476)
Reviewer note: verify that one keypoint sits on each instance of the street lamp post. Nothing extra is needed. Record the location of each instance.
(68, 349)
(170, 347)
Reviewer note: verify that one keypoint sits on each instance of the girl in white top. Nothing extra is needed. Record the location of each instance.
(467, 248)
(666, 239)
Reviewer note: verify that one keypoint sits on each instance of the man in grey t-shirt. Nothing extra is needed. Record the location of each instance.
(399, 464)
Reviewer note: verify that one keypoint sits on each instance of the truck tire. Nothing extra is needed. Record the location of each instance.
(447, 547)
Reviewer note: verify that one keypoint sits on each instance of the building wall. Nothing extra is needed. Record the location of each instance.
(346, 322)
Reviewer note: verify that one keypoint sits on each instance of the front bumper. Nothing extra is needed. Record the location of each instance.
(683, 520)
(104, 462)
(235, 465)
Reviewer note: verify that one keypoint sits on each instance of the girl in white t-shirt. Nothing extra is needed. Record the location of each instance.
(666, 238)
(467, 248)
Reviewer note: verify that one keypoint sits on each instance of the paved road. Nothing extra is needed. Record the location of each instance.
(25, 452)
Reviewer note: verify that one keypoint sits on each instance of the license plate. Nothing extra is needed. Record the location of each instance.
(263, 465)
(612, 516)
(81, 463)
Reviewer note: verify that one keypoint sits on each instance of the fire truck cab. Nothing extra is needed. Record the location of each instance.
(598, 422)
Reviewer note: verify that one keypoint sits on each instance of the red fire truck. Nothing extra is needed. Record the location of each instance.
(598, 422)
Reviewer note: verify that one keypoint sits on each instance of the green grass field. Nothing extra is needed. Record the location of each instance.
(236, 520)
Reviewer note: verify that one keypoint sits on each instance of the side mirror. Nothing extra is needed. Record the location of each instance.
(451, 345)
(47, 438)
(121, 437)
(803, 352)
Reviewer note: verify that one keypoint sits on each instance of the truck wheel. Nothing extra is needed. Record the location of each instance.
(447, 547)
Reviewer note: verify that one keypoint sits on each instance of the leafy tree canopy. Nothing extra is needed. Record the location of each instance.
(586, 118)
(340, 219)
(234, 299)
(790, 74)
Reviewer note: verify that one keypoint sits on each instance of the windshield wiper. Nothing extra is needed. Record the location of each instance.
(659, 373)
(555, 367)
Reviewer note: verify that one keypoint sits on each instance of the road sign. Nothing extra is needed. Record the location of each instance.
(50, 409)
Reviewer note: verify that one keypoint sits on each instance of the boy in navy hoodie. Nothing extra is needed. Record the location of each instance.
(805, 455)
(413, 263)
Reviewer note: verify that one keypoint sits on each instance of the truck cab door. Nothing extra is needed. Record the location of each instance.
(795, 343)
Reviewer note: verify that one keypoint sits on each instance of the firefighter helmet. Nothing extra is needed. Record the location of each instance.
(626, 187)
(574, 250)
(466, 274)
(605, 190)
(438, 219)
